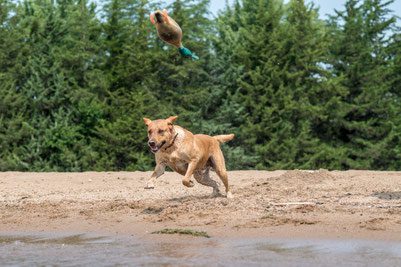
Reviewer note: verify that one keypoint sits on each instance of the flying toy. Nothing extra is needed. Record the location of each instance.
(170, 32)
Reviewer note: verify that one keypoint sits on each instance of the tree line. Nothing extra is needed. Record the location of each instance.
(298, 91)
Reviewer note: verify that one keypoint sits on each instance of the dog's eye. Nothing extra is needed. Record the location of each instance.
(161, 131)
(150, 132)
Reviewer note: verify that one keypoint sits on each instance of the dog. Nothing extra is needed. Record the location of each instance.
(187, 154)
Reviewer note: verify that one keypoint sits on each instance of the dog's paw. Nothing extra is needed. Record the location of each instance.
(216, 193)
(229, 195)
(188, 183)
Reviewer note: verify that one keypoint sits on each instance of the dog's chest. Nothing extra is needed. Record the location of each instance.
(176, 160)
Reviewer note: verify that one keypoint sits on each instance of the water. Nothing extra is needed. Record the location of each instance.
(93, 250)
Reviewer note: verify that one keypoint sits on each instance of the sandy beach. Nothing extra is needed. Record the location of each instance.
(283, 204)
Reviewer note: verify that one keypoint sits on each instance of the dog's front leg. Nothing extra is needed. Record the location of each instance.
(187, 178)
(159, 170)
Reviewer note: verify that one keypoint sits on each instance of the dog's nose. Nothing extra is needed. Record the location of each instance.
(152, 143)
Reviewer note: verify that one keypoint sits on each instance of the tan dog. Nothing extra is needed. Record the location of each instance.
(187, 154)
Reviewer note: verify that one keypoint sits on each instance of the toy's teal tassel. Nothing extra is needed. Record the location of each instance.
(187, 53)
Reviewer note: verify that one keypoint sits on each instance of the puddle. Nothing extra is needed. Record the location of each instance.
(92, 250)
(78, 239)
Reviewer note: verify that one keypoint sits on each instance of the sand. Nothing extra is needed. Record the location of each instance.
(284, 204)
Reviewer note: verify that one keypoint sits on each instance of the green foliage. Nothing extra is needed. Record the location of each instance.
(76, 80)
(359, 54)
(283, 88)
(190, 232)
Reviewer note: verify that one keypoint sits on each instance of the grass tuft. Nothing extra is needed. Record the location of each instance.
(182, 232)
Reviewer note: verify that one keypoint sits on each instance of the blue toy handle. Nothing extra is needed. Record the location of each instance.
(187, 53)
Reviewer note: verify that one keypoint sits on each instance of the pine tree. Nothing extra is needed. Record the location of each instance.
(13, 130)
(81, 56)
(46, 89)
(130, 65)
(315, 93)
(297, 92)
(244, 30)
(283, 95)
(390, 152)
(185, 85)
(55, 79)
(359, 56)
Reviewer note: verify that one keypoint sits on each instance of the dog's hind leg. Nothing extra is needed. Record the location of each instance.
(205, 179)
(220, 169)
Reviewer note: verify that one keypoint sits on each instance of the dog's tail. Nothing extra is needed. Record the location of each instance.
(224, 138)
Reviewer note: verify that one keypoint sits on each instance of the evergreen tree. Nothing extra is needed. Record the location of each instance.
(46, 88)
(82, 56)
(54, 79)
(185, 85)
(360, 42)
(130, 65)
(243, 32)
(390, 154)
(312, 95)
(13, 107)
(283, 90)
(297, 92)
(148, 78)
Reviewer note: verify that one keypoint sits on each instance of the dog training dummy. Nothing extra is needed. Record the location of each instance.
(170, 32)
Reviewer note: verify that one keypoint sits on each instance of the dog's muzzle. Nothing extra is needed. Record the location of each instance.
(154, 147)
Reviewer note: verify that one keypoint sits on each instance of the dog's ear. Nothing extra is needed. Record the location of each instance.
(147, 121)
(171, 120)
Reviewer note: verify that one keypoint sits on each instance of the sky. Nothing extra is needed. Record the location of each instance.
(326, 6)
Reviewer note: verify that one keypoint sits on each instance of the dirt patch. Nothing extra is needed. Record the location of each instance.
(275, 220)
(376, 224)
(307, 176)
(310, 203)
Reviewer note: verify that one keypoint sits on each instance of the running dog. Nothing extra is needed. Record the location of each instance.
(186, 153)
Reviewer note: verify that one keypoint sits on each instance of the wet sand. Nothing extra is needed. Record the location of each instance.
(48, 249)
(279, 204)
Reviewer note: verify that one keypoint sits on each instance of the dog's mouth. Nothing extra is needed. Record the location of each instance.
(155, 149)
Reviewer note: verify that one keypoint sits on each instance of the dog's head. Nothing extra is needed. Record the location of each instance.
(160, 132)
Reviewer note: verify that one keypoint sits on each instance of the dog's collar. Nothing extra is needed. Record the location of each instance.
(172, 143)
